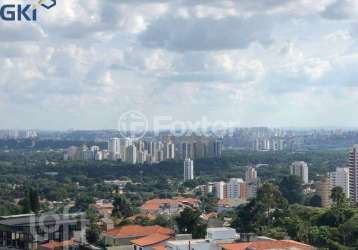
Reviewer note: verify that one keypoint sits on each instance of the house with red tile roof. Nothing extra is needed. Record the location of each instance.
(168, 206)
(103, 208)
(150, 242)
(268, 245)
(56, 245)
(124, 235)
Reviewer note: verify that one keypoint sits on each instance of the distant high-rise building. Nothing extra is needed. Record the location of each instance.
(141, 156)
(218, 147)
(72, 154)
(188, 169)
(160, 156)
(169, 151)
(215, 148)
(124, 144)
(140, 146)
(199, 150)
(131, 156)
(251, 182)
(219, 189)
(234, 188)
(86, 155)
(300, 169)
(269, 144)
(251, 188)
(185, 150)
(114, 148)
(250, 174)
(340, 178)
(98, 156)
(353, 174)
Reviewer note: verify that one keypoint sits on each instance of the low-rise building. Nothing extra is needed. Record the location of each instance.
(340, 178)
(30, 231)
(268, 245)
(126, 234)
(225, 205)
(57, 245)
(168, 206)
(103, 208)
(150, 242)
(215, 237)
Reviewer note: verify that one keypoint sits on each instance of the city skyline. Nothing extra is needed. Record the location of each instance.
(257, 63)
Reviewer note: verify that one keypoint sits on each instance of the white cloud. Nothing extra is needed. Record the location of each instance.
(341, 9)
(274, 62)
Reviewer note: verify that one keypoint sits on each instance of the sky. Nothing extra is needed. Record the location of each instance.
(278, 63)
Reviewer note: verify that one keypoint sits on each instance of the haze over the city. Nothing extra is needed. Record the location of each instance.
(287, 63)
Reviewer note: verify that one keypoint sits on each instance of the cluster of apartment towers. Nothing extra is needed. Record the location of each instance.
(148, 151)
(344, 177)
(235, 188)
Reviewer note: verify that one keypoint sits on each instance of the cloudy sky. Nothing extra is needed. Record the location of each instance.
(256, 62)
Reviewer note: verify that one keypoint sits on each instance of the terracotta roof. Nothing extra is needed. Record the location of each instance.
(137, 231)
(152, 239)
(160, 246)
(156, 204)
(268, 244)
(56, 244)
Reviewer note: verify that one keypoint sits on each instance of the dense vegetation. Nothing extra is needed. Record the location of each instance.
(280, 210)
(57, 180)
(272, 215)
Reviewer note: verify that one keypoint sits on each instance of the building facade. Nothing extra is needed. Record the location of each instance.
(340, 178)
(300, 169)
(188, 169)
(353, 174)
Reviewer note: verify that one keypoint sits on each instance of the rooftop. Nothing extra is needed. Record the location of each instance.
(56, 244)
(186, 242)
(137, 231)
(156, 204)
(268, 244)
(28, 220)
(152, 239)
(220, 229)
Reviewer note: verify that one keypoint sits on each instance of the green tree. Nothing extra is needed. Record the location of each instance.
(270, 197)
(189, 222)
(291, 189)
(25, 205)
(315, 201)
(122, 208)
(349, 232)
(249, 217)
(83, 201)
(338, 197)
(34, 200)
(31, 202)
(164, 221)
(208, 203)
(93, 234)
